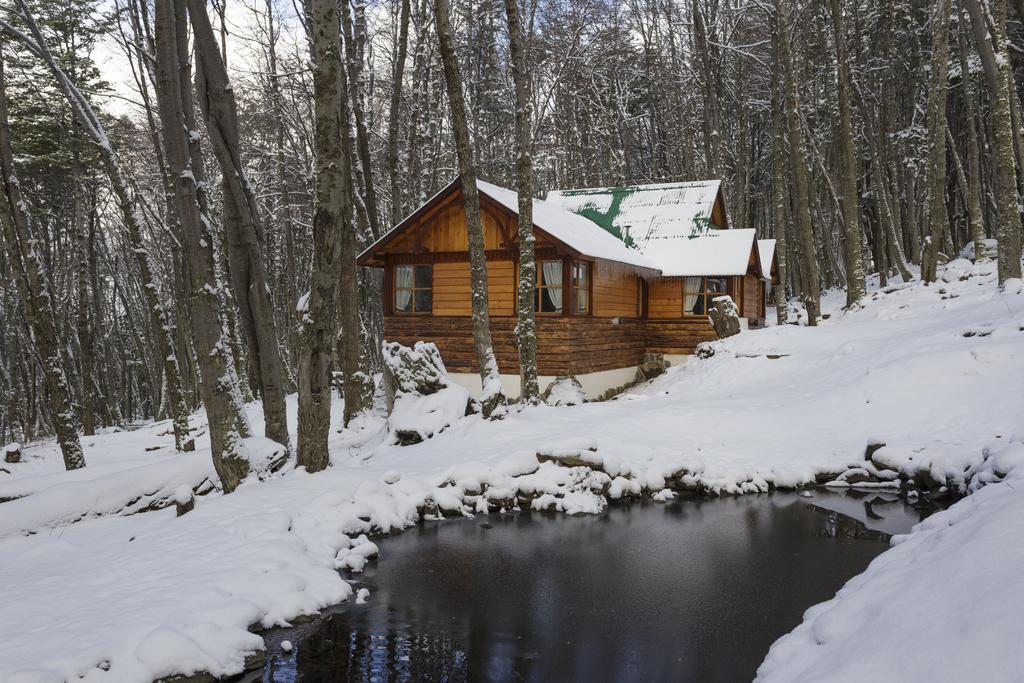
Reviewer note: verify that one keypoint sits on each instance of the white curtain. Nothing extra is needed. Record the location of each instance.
(691, 288)
(403, 287)
(553, 282)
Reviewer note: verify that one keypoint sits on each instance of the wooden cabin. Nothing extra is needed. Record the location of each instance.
(600, 303)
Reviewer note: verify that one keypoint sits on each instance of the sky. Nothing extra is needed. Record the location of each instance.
(242, 22)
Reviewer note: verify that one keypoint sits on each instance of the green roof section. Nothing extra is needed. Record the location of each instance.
(637, 214)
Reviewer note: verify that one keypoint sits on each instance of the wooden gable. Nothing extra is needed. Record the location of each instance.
(437, 232)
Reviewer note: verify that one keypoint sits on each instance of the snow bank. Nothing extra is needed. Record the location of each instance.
(145, 487)
(944, 604)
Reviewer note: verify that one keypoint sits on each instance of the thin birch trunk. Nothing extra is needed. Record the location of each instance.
(491, 397)
(526, 326)
(798, 159)
(218, 381)
(852, 251)
(242, 226)
(937, 217)
(28, 270)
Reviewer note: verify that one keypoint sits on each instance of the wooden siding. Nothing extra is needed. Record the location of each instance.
(751, 296)
(565, 345)
(615, 290)
(445, 230)
(452, 288)
(665, 298)
(677, 336)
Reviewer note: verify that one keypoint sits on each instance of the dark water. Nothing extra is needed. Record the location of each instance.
(696, 590)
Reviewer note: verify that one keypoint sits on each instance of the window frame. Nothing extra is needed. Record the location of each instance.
(540, 286)
(395, 289)
(575, 288)
(704, 292)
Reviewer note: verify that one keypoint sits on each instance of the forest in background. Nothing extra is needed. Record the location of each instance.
(211, 232)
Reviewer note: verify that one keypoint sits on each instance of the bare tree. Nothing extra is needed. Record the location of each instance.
(798, 160)
(218, 382)
(242, 226)
(779, 185)
(332, 225)
(937, 216)
(491, 397)
(852, 251)
(36, 297)
(526, 327)
(127, 200)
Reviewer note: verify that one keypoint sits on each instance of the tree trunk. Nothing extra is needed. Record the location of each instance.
(86, 342)
(526, 326)
(242, 228)
(393, 113)
(853, 256)
(937, 216)
(1009, 228)
(218, 381)
(332, 224)
(491, 397)
(798, 159)
(33, 289)
(779, 188)
(988, 21)
(973, 197)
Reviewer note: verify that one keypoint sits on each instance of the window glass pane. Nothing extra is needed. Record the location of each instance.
(551, 273)
(691, 294)
(403, 300)
(403, 277)
(551, 300)
(582, 300)
(716, 285)
(424, 300)
(423, 276)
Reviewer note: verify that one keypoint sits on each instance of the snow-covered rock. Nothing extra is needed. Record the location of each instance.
(422, 401)
(564, 391)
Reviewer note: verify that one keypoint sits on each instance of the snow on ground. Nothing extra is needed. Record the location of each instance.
(944, 604)
(934, 372)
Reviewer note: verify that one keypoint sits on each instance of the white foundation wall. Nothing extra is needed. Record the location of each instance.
(594, 383)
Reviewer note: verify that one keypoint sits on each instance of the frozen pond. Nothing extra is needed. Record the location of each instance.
(695, 590)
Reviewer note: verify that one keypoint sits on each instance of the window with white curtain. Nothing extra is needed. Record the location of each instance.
(549, 287)
(700, 292)
(414, 289)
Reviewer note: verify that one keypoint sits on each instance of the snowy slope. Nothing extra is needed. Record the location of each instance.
(935, 372)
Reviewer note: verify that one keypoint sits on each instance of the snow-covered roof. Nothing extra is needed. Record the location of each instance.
(766, 253)
(669, 222)
(572, 229)
(640, 213)
(718, 252)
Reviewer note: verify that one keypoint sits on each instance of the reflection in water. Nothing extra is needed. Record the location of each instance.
(694, 590)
